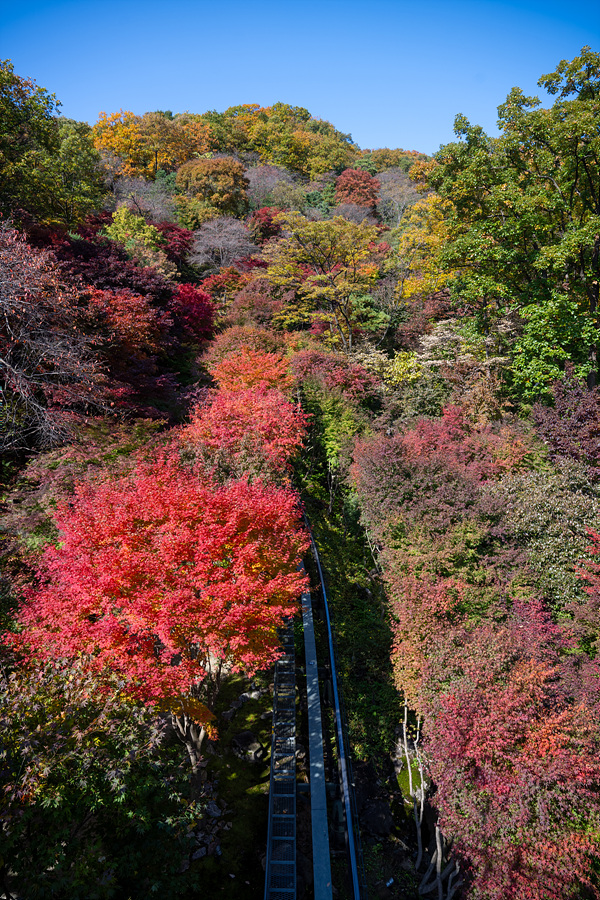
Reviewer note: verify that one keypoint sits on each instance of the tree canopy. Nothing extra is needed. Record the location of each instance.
(525, 220)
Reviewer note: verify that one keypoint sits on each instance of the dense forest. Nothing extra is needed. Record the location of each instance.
(213, 321)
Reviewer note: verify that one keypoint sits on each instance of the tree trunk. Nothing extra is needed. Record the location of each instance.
(593, 296)
(191, 735)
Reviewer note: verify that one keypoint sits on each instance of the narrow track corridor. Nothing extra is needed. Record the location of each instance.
(281, 874)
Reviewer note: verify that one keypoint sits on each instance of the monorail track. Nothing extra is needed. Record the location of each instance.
(280, 874)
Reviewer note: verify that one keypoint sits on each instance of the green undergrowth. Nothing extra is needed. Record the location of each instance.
(403, 781)
(244, 787)
(386, 871)
(363, 636)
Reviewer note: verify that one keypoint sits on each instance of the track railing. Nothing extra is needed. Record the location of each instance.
(353, 842)
(280, 870)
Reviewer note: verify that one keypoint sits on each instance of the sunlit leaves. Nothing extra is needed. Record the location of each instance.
(327, 263)
(246, 431)
(141, 145)
(524, 227)
(164, 578)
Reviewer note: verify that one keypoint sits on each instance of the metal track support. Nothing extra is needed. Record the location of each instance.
(280, 871)
(318, 793)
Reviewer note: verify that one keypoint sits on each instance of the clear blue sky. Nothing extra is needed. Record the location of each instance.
(390, 72)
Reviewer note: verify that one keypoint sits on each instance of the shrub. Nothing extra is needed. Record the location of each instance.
(547, 514)
(571, 426)
(249, 431)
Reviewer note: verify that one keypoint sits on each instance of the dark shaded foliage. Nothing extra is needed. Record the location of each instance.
(571, 427)
(178, 241)
(49, 372)
(195, 309)
(95, 801)
(105, 265)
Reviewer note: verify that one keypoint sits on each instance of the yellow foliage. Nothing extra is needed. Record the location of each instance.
(194, 709)
(422, 239)
(403, 367)
(283, 137)
(327, 263)
(192, 213)
(119, 135)
(144, 144)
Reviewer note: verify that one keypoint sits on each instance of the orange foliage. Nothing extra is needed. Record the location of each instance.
(242, 337)
(252, 369)
(246, 432)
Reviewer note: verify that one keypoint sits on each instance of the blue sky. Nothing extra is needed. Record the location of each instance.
(390, 72)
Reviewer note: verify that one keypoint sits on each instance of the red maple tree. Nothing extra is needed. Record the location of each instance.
(167, 580)
(252, 369)
(357, 187)
(251, 431)
(124, 322)
(195, 309)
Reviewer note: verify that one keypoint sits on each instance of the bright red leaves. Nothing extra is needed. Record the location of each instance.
(165, 578)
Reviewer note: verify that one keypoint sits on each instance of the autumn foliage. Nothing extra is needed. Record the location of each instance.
(105, 265)
(263, 224)
(247, 430)
(225, 284)
(516, 761)
(177, 241)
(166, 578)
(253, 304)
(252, 369)
(144, 144)
(357, 187)
(509, 713)
(424, 609)
(335, 373)
(571, 426)
(195, 310)
(219, 183)
(241, 292)
(125, 321)
(239, 338)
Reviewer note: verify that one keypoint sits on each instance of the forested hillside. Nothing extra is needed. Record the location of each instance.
(212, 322)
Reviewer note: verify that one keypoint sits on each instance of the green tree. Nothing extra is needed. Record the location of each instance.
(329, 264)
(525, 232)
(130, 230)
(288, 136)
(65, 183)
(27, 126)
(142, 241)
(48, 165)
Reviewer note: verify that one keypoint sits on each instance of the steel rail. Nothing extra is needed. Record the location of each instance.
(343, 762)
(318, 791)
(280, 864)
